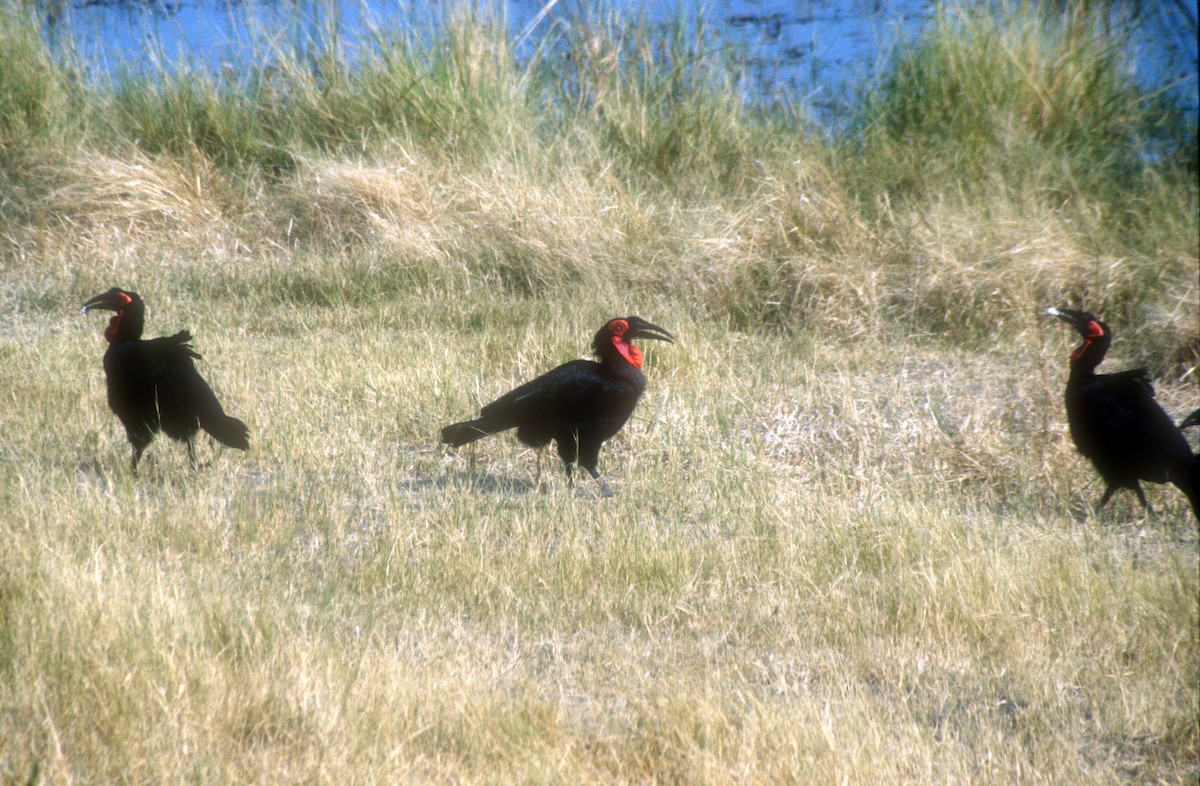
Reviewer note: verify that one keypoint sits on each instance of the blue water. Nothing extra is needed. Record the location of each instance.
(813, 53)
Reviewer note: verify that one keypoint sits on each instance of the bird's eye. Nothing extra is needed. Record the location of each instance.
(618, 326)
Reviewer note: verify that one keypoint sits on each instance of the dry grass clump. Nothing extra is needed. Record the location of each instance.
(794, 250)
(953, 272)
(396, 206)
(139, 193)
(791, 252)
(976, 272)
(534, 236)
(96, 203)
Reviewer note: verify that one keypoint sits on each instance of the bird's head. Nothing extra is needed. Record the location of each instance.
(1096, 335)
(619, 334)
(128, 319)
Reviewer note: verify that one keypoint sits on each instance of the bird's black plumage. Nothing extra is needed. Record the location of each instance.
(1116, 423)
(153, 384)
(579, 405)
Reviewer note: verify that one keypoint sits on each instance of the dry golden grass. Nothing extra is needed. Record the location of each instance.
(852, 542)
(846, 547)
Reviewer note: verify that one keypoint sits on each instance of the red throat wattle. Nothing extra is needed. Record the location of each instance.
(1094, 330)
(628, 351)
(110, 332)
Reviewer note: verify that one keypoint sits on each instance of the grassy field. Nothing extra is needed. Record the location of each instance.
(851, 542)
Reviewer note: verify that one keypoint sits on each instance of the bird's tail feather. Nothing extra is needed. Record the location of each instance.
(457, 434)
(1186, 478)
(1193, 493)
(228, 430)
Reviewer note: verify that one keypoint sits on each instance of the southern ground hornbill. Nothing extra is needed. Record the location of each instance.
(579, 405)
(1116, 423)
(153, 384)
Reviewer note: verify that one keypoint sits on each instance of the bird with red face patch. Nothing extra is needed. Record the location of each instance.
(1116, 423)
(153, 384)
(579, 405)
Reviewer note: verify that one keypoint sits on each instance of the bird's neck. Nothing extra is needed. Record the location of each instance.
(628, 352)
(126, 324)
(626, 365)
(1089, 354)
(1080, 376)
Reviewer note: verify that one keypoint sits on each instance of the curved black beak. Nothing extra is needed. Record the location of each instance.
(640, 328)
(1076, 319)
(112, 300)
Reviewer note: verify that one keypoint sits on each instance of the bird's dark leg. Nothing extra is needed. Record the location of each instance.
(191, 446)
(589, 459)
(1108, 492)
(1137, 489)
(604, 489)
(568, 451)
(138, 449)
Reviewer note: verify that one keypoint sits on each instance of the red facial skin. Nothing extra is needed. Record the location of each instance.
(627, 350)
(111, 330)
(1094, 331)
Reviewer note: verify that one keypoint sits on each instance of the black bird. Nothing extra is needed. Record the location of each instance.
(153, 384)
(1191, 420)
(1117, 424)
(580, 404)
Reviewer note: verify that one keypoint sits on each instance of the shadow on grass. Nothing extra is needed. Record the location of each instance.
(492, 484)
(476, 481)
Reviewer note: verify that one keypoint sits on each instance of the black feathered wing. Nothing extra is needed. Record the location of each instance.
(154, 383)
(561, 400)
(183, 383)
(1116, 422)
